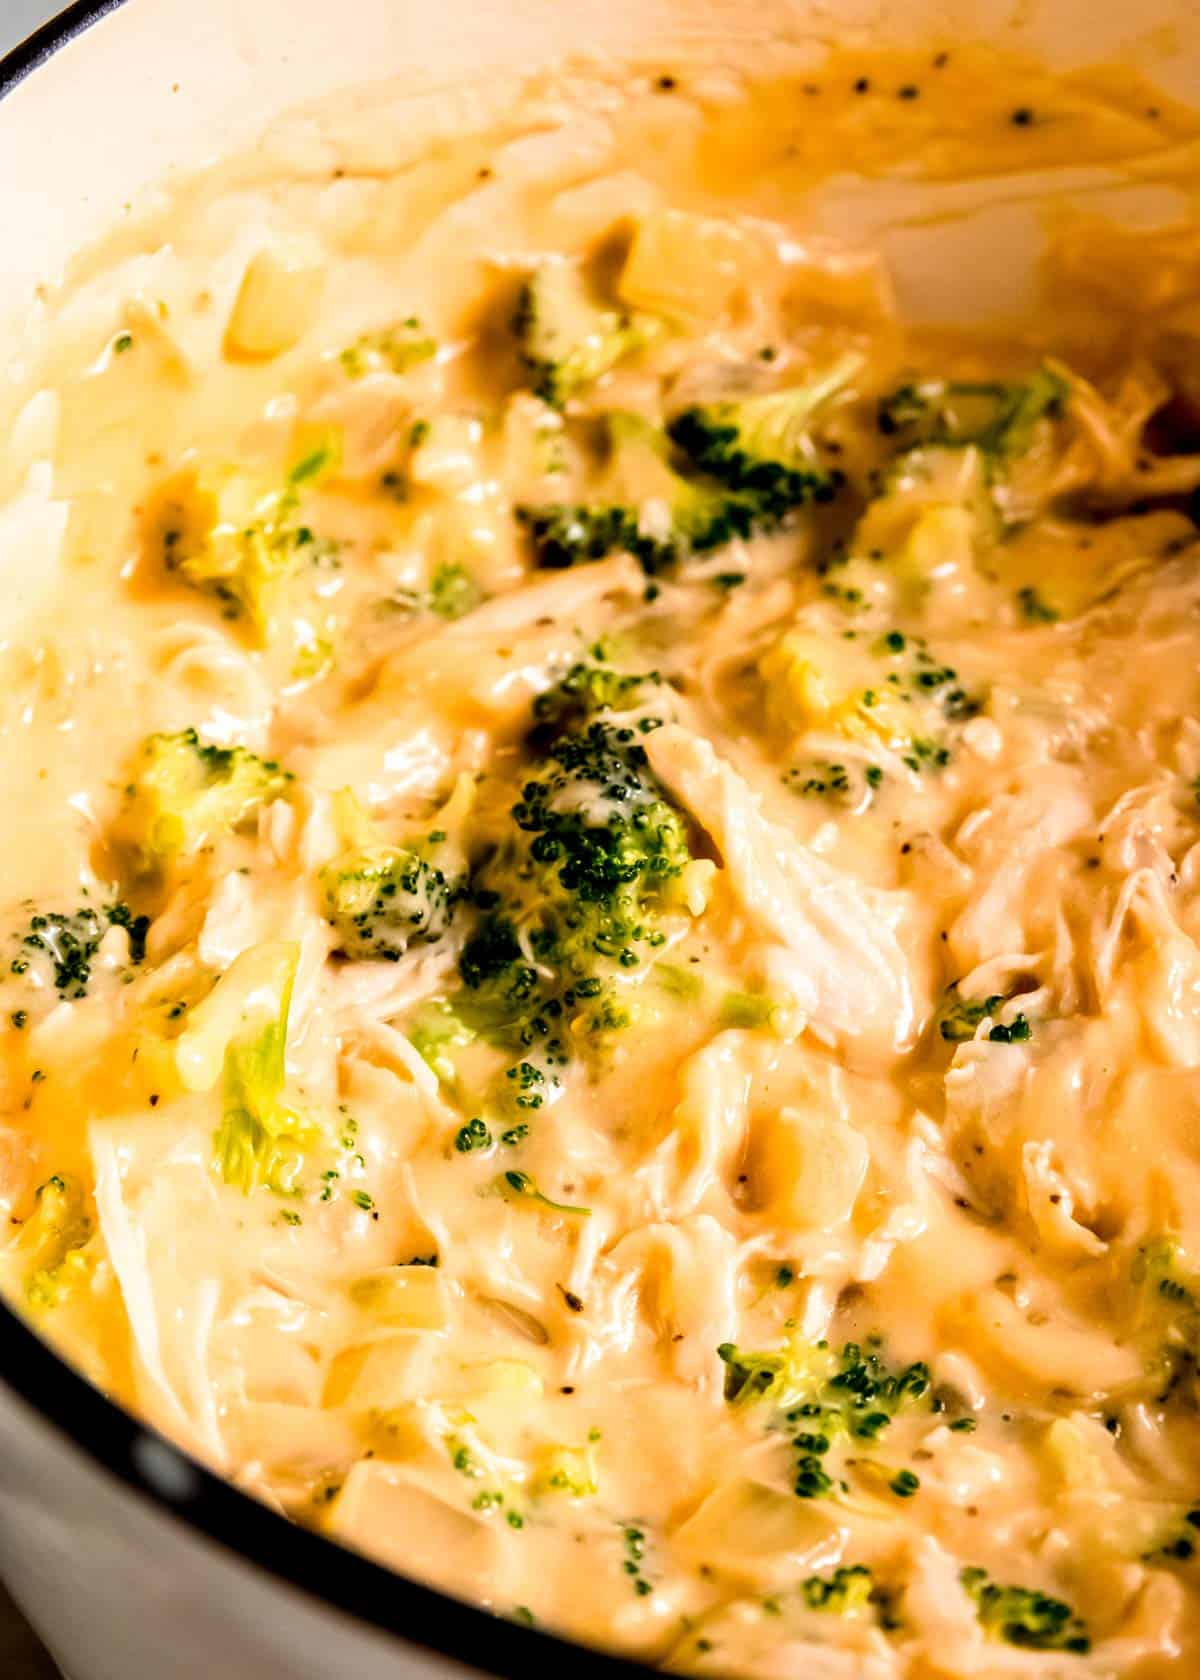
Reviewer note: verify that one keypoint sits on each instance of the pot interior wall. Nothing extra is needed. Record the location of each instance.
(158, 85)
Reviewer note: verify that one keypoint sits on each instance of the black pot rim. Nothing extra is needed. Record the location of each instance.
(115, 1441)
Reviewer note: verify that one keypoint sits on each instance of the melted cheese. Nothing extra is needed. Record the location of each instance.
(838, 1211)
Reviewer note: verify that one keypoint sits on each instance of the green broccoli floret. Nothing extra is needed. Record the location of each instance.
(568, 339)
(508, 999)
(1167, 1313)
(62, 948)
(764, 444)
(185, 792)
(1161, 1268)
(750, 1376)
(390, 350)
(521, 1184)
(574, 893)
(453, 592)
(855, 1382)
(261, 1139)
(844, 1593)
(220, 535)
(823, 1394)
(1035, 609)
(54, 1242)
(383, 899)
(492, 951)
(1180, 1546)
(590, 687)
(434, 1032)
(996, 416)
(959, 1016)
(605, 832)
(1021, 1616)
(1016, 1031)
(570, 535)
(646, 508)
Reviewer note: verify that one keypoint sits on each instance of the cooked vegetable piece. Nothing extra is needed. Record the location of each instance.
(1021, 1616)
(384, 899)
(764, 444)
(567, 338)
(393, 349)
(184, 793)
(996, 416)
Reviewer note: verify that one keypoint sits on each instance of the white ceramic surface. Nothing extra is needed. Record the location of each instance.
(111, 1563)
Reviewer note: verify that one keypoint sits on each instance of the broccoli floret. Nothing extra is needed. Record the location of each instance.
(604, 829)
(453, 592)
(856, 1382)
(474, 1135)
(434, 1032)
(590, 687)
(998, 417)
(62, 948)
(822, 1394)
(567, 339)
(53, 1241)
(1179, 1546)
(565, 535)
(523, 1186)
(1016, 1031)
(390, 350)
(574, 895)
(844, 1593)
(221, 538)
(564, 1469)
(646, 508)
(764, 444)
(185, 792)
(748, 1011)
(261, 1139)
(490, 953)
(1161, 1267)
(508, 999)
(749, 1376)
(244, 571)
(1024, 1617)
(383, 899)
(536, 447)
(959, 1017)
(576, 892)
(1035, 609)
(934, 510)
(1167, 1309)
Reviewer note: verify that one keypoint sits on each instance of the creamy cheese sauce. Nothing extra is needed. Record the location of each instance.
(600, 991)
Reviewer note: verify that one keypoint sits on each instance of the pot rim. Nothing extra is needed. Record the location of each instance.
(142, 1458)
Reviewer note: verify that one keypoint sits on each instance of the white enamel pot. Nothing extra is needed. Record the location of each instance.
(132, 1561)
